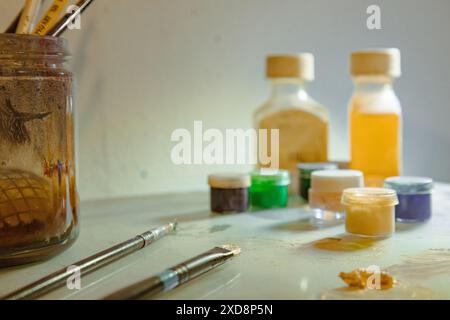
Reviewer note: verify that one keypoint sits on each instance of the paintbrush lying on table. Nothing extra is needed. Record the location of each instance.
(178, 275)
(59, 278)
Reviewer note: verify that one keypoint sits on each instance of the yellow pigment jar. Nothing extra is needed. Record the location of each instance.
(370, 212)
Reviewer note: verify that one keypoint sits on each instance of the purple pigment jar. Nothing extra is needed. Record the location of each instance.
(414, 195)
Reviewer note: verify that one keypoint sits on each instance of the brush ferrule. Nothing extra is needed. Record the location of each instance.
(156, 234)
(148, 238)
(201, 264)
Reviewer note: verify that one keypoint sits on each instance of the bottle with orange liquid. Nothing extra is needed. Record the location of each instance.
(376, 116)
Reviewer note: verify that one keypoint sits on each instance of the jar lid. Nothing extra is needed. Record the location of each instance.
(306, 168)
(376, 62)
(370, 196)
(336, 180)
(298, 66)
(409, 185)
(271, 176)
(229, 181)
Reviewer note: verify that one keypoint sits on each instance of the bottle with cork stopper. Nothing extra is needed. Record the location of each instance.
(302, 122)
(376, 115)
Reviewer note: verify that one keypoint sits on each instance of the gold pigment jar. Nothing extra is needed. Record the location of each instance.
(38, 194)
(370, 212)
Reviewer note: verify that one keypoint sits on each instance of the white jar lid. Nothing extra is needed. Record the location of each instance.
(336, 180)
(229, 181)
(369, 196)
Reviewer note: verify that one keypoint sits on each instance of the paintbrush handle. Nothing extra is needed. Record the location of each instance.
(50, 18)
(149, 287)
(28, 15)
(59, 278)
(175, 276)
(62, 24)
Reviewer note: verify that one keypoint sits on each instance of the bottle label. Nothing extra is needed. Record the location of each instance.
(303, 138)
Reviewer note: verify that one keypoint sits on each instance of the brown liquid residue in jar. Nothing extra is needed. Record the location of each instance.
(38, 197)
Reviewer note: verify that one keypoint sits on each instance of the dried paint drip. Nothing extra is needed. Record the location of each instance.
(364, 279)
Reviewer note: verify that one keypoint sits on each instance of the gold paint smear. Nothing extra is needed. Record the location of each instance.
(346, 244)
(360, 279)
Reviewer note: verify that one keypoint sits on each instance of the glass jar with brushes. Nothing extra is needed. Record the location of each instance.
(38, 190)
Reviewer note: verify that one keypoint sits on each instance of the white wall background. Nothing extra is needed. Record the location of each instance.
(147, 67)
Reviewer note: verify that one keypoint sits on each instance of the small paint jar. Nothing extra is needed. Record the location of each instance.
(270, 188)
(414, 195)
(370, 212)
(326, 193)
(304, 172)
(229, 192)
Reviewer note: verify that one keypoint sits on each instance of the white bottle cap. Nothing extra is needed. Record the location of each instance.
(336, 180)
(229, 181)
(299, 66)
(376, 62)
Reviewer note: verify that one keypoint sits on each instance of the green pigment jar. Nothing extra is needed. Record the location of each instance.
(305, 171)
(270, 188)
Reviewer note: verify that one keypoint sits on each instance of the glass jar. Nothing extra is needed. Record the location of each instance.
(376, 116)
(305, 171)
(370, 212)
(414, 195)
(270, 189)
(38, 196)
(229, 192)
(302, 122)
(326, 193)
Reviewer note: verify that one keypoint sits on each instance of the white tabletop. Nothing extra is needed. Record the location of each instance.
(283, 257)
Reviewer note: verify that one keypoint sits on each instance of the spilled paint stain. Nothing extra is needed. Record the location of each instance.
(346, 244)
(428, 264)
(219, 228)
(296, 226)
(364, 279)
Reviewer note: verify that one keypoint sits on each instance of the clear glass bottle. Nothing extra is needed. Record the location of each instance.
(303, 122)
(38, 197)
(376, 116)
